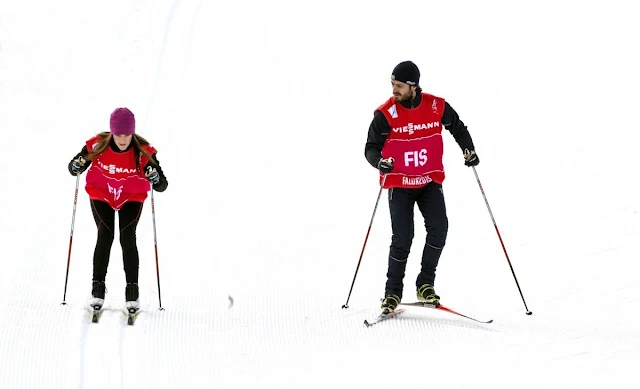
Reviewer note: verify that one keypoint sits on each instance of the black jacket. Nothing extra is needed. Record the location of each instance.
(161, 186)
(380, 128)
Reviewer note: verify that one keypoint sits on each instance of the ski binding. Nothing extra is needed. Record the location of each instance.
(383, 317)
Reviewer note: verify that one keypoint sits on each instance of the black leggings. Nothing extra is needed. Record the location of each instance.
(128, 217)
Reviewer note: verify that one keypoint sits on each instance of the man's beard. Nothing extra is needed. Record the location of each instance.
(404, 98)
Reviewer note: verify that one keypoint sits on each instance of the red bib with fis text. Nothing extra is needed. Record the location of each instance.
(414, 143)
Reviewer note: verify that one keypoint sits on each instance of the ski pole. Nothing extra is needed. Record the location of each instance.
(155, 242)
(73, 219)
(346, 305)
(500, 238)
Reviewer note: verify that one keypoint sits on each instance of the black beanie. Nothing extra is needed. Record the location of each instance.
(406, 72)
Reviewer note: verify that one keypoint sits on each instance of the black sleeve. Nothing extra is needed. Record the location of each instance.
(83, 153)
(451, 121)
(378, 131)
(161, 186)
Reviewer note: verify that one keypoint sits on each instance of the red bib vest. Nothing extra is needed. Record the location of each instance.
(116, 178)
(414, 143)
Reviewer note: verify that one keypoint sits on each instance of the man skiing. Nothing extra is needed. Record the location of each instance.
(405, 144)
(123, 167)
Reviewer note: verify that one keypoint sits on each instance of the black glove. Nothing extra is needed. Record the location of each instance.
(78, 166)
(152, 175)
(471, 158)
(385, 165)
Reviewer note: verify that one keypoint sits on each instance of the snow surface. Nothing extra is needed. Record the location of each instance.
(260, 112)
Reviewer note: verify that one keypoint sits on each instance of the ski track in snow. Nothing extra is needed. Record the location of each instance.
(113, 353)
(251, 344)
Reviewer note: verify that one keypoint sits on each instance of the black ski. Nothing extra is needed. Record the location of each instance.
(383, 317)
(96, 313)
(132, 315)
(443, 308)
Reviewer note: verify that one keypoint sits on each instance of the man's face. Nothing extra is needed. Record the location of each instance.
(402, 92)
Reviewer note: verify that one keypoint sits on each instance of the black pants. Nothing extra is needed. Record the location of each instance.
(430, 200)
(128, 217)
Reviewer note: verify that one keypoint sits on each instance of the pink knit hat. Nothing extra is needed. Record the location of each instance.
(123, 122)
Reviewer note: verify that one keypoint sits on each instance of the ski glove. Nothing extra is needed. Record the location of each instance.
(78, 166)
(385, 165)
(152, 175)
(471, 158)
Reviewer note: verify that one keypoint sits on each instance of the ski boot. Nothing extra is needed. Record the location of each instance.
(132, 296)
(390, 303)
(98, 291)
(427, 294)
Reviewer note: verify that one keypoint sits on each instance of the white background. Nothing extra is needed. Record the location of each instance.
(259, 111)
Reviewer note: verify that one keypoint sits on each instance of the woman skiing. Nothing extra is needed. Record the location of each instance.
(122, 168)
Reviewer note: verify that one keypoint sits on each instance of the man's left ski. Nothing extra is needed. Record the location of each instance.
(383, 317)
(443, 308)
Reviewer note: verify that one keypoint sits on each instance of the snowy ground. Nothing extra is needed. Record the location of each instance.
(259, 111)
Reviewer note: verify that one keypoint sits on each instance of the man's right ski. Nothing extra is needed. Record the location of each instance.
(383, 317)
(96, 312)
(443, 308)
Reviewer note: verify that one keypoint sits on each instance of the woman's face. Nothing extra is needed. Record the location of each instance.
(122, 141)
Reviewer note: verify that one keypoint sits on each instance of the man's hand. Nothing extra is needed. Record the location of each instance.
(385, 165)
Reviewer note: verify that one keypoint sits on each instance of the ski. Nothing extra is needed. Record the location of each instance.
(132, 314)
(383, 317)
(96, 313)
(443, 308)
